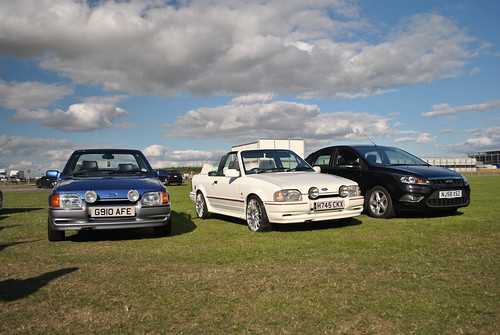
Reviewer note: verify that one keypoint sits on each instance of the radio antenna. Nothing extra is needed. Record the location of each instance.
(369, 139)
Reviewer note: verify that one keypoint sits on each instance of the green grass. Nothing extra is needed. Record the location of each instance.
(417, 274)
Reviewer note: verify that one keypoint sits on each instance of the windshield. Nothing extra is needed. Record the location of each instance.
(107, 163)
(260, 161)
(389, 156)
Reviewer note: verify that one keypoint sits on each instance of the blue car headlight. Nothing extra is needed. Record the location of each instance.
(66, 200)
(155, 198)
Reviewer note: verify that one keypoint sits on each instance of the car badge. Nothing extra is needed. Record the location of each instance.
(324, 189)
(111, 195)
(449, 181)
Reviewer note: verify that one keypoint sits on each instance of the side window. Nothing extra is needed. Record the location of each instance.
(373, 157)
(323, 159)
(346, 159)
(231, 163)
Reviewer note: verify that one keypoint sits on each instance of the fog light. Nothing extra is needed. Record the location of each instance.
(411, 198)
(313, 193)
(90, 197)
(133, 195)
(343, 191)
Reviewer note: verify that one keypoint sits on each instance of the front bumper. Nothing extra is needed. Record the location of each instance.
(284, 213)
(79, 218)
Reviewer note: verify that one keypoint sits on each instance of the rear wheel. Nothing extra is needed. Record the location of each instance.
(379, 203)
(54, 235)
(201, 206)
(256, 215)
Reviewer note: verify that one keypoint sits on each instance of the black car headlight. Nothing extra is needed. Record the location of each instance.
(414, 180)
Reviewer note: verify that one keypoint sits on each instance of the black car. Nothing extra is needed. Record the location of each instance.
(1, 200)
(46, 182)
(394, 180)
(173, 177)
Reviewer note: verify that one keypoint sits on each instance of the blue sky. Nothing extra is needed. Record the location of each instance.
(184, 81)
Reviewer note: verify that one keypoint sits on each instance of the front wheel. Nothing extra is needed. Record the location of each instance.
(54, 235)
(379, 203)
(201, 206)
(256, 215)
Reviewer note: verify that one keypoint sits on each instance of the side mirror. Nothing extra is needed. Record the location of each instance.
(52, 173)
(232, 173)
(317, 169)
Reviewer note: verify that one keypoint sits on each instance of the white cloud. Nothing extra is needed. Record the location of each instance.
(28, 95)
(308, 47)
(91, 114)
(281, 119)
(422, 138)
(480, 140)
(155, 150)
(445, 109)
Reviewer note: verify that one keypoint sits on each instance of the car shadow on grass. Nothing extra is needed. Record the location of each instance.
(16, 289)
(181, 224)
(428, 215)
(306, 226)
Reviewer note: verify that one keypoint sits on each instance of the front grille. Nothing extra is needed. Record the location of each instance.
(447, 181)
(447, 202)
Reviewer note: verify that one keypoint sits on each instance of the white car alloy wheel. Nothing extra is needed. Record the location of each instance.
(201, 206)
(256, 216)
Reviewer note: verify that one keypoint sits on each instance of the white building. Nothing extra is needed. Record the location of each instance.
(459, 164)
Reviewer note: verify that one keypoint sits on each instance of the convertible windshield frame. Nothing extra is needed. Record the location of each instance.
(94, 163)
(272, 160)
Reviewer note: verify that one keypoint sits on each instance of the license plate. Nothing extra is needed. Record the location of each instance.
(112, 211)
(450, 194)
(328, 205)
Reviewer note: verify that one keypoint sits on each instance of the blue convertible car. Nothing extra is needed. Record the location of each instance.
(108, 189)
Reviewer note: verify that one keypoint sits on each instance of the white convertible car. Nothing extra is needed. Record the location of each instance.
(268, 186)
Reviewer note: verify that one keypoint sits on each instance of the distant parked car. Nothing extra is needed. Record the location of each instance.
(173, 177)
(269, 186)
(46, 182)
(394, 180)
(108, 189)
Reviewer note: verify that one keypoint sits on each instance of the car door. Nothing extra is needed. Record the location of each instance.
(224, 192)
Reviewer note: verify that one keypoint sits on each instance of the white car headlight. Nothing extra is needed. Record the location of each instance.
(287, 195)
(343, 191)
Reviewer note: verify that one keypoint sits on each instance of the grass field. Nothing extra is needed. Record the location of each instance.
(417, 274)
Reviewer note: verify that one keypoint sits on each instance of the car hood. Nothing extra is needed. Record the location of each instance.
(426, 171)
(304, 180)
(109, 187)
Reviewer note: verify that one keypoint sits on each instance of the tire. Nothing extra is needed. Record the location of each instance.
(256, 215)
(201, 206)
(54, 235)
(378, 203)
(166, 230)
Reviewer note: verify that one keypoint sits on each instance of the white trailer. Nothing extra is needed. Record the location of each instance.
(296, 145)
